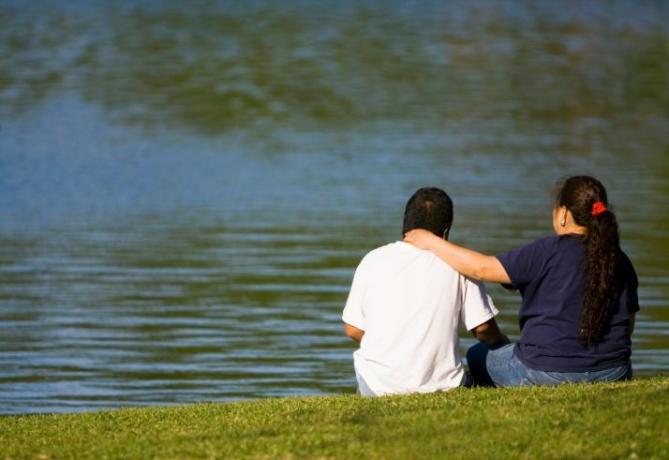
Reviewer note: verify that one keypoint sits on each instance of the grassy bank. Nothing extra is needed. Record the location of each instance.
(627, 420)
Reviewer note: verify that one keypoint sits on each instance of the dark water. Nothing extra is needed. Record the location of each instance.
(186, 190)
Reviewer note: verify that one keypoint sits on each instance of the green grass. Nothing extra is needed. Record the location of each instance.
(622, 420)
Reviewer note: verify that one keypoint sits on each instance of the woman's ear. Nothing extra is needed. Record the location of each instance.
(559, 219)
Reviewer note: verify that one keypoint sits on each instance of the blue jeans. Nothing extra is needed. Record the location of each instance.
(501, 368)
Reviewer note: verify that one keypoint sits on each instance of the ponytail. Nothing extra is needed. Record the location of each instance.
(600, 296)
(586, 198)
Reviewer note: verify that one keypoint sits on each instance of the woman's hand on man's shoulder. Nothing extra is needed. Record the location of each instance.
(421, 238)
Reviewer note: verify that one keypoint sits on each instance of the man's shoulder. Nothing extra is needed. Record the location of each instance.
(389, 248)
(380, 254)
(400, 252)
(394, 249)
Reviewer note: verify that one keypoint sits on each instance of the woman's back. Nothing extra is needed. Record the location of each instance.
(550, 274)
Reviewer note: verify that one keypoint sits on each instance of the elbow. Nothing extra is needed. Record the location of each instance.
(481, 331)
(490, 334)
(353, 332)
(486, 269)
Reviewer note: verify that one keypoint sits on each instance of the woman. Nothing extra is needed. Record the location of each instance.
(579, 294)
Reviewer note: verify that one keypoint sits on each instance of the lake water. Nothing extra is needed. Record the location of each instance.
(185, 191)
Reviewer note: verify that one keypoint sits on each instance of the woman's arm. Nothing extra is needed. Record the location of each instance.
(470, 263)
(632, 321)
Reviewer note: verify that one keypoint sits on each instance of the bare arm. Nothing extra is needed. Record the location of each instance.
(353, 332)
(489, 333)
(470, 263)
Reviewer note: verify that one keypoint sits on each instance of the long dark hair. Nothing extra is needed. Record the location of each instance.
(586, 198)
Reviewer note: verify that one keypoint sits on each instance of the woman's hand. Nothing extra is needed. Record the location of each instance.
(422, 239)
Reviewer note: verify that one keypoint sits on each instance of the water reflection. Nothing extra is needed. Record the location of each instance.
(220, 305)
(185, 192)
(219, 66)
(193, 313)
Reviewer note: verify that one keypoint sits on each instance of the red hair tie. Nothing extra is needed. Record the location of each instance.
(598, 208)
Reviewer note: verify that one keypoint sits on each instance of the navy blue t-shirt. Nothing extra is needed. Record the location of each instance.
(550, 277)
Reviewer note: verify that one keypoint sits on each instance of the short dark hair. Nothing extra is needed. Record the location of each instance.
(429, 208)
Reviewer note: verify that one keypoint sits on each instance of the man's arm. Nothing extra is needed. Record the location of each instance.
(353, 311)
(490, 334)
(353, 332)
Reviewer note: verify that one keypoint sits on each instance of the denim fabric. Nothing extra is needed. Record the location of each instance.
(500, 367)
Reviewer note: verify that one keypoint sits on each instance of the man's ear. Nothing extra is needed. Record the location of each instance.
(446, 232)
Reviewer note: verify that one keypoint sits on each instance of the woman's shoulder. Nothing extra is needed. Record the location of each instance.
(625, 258)
(536, 247)
(549, 247)
(556, 242)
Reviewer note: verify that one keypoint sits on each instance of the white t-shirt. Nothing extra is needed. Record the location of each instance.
(410, 303)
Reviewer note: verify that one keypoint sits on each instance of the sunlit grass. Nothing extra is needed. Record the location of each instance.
(623, 420)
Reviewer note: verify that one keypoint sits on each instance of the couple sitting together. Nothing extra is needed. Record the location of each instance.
(579, 298)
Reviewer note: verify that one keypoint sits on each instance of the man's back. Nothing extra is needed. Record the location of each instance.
(409, 304)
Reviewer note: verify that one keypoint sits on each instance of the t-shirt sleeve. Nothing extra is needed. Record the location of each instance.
(525, 263)
(353, 313)
(477, 306)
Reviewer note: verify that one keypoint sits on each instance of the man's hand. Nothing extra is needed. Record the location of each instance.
(353, 332)
(490, 334)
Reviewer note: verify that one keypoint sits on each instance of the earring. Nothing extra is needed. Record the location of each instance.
(563, 222)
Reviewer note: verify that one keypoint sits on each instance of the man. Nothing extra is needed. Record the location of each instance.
(405, 306)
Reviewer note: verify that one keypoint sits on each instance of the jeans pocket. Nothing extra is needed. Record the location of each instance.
(546, 378)
(614, 374)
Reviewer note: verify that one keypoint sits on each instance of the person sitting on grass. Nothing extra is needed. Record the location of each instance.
(579, 295)
(405, 306)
